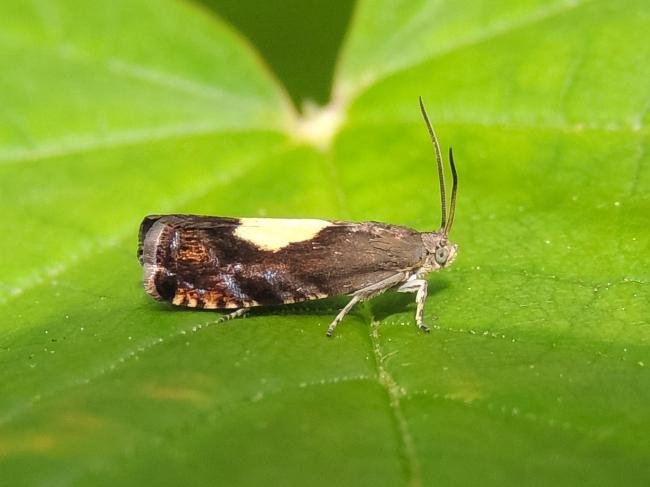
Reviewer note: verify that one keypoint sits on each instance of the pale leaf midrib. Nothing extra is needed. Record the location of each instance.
(478, 38)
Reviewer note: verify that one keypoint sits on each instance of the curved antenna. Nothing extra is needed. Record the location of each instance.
(441, 175)
(454, 188)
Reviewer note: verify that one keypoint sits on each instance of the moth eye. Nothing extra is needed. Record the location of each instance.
(441, 255)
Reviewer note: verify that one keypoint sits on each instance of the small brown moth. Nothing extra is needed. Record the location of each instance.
(214, 262)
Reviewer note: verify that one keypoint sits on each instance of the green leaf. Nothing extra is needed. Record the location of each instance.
(536, 372)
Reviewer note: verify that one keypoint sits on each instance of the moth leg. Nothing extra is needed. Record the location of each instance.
(419, 287)
(235, 314)
(330, 329)
(366, 293)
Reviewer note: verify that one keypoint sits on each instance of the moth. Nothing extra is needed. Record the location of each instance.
(224, 263)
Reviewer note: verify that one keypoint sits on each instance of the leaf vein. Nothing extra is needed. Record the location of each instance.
(537, 16)
(116, 140)
(394, 393)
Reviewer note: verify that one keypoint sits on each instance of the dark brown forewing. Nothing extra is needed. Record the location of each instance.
(202, 262)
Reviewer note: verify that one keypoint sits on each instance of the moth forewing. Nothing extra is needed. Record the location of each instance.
(220, 263)
(238, 263)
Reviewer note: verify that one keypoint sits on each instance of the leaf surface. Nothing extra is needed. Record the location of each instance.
(536, 371)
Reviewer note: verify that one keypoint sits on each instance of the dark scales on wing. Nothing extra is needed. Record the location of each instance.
(199, 261)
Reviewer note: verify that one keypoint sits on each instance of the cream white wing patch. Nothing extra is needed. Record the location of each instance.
(276, 233)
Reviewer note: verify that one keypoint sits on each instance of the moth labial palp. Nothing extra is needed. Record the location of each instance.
(211, 262)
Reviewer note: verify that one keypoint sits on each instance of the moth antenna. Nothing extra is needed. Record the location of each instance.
(454, 188)
(441, 175)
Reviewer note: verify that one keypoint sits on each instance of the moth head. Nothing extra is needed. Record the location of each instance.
(440, 251)
(445, 254)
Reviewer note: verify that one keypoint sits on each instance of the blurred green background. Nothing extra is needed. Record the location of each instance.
(536, 372)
